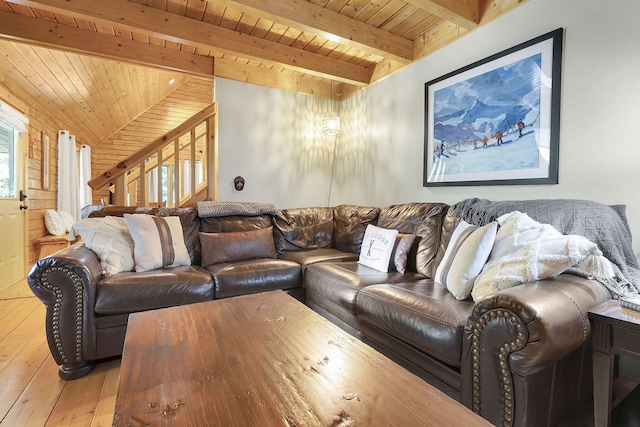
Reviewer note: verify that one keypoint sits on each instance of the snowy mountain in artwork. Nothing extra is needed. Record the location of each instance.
(496, 100)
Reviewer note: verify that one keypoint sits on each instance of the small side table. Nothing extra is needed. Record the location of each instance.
(615, 331)
(50, 244)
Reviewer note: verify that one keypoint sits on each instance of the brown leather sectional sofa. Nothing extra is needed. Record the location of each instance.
(518, 357)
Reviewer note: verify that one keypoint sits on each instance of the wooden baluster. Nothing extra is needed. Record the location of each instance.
(120, 196)
(142, 185)
(176, 171)
(192, 190)
(159, 166)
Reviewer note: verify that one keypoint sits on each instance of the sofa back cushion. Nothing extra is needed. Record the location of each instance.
(224, 224)
(218, 248)
(349, 225)
(425, 221)
(302, 228)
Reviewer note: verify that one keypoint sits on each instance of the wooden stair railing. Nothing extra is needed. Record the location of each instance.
(197, 136)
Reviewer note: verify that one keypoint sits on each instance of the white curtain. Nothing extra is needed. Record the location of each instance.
(198, 173)
(86, 194)
(186, 179)
(186, 176)
(68, 182)
(153, 185)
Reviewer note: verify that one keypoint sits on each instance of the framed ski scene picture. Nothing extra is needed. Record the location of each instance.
(497, 121)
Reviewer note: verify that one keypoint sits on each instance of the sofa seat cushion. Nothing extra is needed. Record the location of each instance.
(306, 258)
(422, 314)
(257, 275)
(334, 286)
(129, 292)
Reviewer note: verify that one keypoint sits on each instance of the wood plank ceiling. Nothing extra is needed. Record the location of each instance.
(104, 62)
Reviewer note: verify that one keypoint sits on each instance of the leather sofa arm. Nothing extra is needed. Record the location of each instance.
(66, 284)
(513, 342)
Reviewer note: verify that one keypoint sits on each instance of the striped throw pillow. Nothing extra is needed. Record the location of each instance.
(158, 241)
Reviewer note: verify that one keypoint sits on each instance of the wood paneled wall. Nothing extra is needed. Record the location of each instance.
(167, 114)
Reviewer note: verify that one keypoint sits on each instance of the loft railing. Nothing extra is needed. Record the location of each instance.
(177, 169)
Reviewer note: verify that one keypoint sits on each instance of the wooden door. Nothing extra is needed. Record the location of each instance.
(12, 214)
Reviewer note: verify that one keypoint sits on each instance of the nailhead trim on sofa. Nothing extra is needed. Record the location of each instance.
(504, 350)
(56, 312)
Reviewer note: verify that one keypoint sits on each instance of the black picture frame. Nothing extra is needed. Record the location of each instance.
(497, 121)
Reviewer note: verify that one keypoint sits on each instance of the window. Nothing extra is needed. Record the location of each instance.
(8, 141)
(11, 124)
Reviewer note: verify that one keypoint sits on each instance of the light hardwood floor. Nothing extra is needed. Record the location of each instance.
(31, 393)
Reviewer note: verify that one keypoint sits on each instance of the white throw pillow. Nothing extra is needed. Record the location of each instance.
(67, 218)
(466, 254)
(526, 251)
(54, 223)
(109, 238)
(158, 241)
(377, 246)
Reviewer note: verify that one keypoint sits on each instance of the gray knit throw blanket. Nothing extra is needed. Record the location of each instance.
(211, 209)
(604, 225)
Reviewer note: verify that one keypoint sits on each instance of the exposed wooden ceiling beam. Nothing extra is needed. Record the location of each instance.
(328, 24)
(463, 13)
(180, 29)
(261, 76)
(63, 37)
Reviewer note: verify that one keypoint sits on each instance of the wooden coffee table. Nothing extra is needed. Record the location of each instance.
(266, 360)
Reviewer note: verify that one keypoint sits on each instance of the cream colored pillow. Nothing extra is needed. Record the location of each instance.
(67, 218)
(525, 251)
(466, 254)
(54, 223)
(377, 246)
(109, 238)
(158, 241)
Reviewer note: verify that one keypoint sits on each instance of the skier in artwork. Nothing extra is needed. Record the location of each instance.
(499, 137)
(520, 128)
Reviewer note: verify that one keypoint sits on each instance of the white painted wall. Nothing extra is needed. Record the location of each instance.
(272, 138)
(380, 152)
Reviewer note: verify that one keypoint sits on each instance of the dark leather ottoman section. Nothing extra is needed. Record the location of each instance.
(258, 275)
(165, 287)
(334, 286)
(422, 314)
(306, 258)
